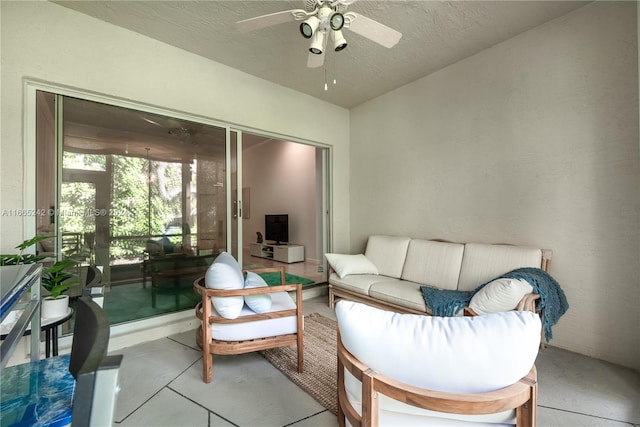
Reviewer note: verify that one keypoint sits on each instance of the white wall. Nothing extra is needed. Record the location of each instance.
(282, 179)
(533, 141)
(47, 42)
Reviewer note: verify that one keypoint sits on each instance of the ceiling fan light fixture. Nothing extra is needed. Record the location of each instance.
(317, 43)
(339, 41)
(336, 22)
(309, 26)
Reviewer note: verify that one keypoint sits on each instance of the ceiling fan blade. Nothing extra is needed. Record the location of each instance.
(373, 30)
(264, 21)
(315, 61)
(161, 121)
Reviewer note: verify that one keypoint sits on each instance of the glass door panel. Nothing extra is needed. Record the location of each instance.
(211, 207)
(143, 196)
(77, 221)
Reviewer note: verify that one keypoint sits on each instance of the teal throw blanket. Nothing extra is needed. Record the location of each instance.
(553, 302)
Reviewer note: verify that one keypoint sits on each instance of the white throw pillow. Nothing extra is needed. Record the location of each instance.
(500, 295)
(344, 265)
(225, 273)
(259, 303)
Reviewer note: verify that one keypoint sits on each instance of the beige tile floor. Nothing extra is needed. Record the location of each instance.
(162, 386)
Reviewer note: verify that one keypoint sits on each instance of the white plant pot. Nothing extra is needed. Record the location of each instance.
(52, 308)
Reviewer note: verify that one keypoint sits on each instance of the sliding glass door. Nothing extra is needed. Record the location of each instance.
(142, 197)
(151, 199)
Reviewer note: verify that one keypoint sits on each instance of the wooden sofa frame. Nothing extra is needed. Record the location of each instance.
(212, 346)
(521, 396)
(336, 293)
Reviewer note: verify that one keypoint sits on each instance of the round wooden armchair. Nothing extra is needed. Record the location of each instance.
(280, 327)
(406, 369)
(521, 396)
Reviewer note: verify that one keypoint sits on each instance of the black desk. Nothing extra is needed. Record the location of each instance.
(50, 329)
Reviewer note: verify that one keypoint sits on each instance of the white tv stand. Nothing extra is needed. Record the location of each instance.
(284, 253)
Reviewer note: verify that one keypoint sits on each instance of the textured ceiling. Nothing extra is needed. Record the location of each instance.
(435, 34)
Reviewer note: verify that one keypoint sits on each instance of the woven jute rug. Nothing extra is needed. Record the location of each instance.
(319, 378)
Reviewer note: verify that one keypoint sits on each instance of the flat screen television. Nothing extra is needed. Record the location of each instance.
(276, 228)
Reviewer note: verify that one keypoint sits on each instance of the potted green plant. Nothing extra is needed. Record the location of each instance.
(56, 279)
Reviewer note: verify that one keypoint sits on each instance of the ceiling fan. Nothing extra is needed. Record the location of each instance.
(322, 19)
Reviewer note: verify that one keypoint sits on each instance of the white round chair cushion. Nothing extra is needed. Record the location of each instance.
(449, 354)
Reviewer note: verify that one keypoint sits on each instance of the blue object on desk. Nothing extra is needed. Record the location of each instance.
(37, 394)
(82, 385)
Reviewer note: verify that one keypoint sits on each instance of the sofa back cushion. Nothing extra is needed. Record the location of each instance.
(433, 263)
(483, 262)
(388, 254)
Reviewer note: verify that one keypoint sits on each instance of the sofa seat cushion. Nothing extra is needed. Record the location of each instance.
(433, 263)
(483, 262)
(258, 328)
(359, 283)
(400, 292)
(388, 253)
(449, 354)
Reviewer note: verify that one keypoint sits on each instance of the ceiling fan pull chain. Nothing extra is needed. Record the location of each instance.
(326, 88)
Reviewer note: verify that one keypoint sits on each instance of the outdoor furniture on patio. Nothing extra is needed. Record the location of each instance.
(280, 326)
(173, 274)
(407, 369)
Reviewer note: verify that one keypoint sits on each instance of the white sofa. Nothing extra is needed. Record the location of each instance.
(391, 271)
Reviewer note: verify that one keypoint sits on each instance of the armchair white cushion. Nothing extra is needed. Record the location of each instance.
(225, 273)
(260, 303)
(446, 354)
(257, 329)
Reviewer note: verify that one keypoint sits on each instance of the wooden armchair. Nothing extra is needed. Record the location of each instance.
(280, 327)
(422, 370)
(521, 396)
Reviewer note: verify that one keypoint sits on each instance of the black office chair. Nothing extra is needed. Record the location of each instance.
(96, 373)
(90, 276)
(91, 281)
